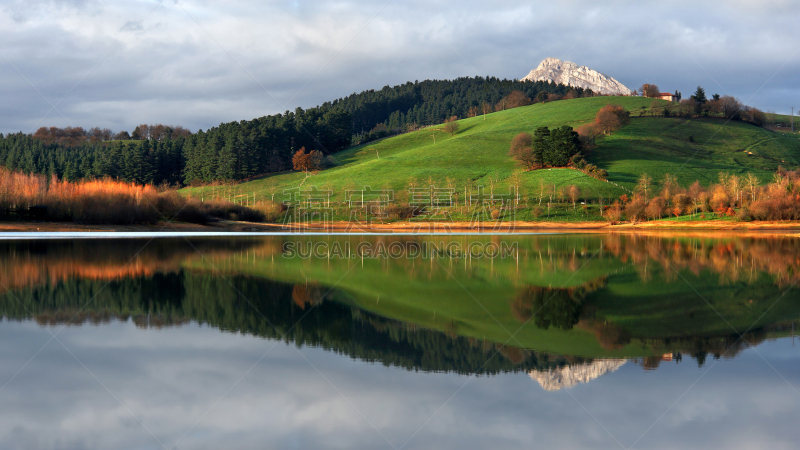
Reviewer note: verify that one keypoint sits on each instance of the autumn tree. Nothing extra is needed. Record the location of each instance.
(588, 133)
(451, 125)
(655, 208)
(573, 192)
(516, 99)
(306, 162)
(522, 151)
(486, 108)
(611, 118)
(730, 107)
(643, 186)
(122, 136)
(650, 90)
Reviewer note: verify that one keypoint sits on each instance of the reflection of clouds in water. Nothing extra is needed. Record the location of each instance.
(170, 377)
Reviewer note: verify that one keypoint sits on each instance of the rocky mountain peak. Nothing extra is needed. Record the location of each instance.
(569, 376)
(571, 74)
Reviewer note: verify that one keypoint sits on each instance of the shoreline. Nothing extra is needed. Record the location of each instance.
(412, 227)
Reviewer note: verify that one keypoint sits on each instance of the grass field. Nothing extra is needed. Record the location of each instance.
(660, 146)
(477, 155)
(784, 121)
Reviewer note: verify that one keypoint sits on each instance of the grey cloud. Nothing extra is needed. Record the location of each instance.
(132, 25)
(170, 70)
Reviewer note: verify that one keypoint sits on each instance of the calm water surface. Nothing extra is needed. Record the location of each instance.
(563, 341)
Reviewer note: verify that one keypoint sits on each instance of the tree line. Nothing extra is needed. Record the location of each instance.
(699, 105)
(742, 197)
(240, 150)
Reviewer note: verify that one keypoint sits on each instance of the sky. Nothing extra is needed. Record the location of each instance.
(197, 63)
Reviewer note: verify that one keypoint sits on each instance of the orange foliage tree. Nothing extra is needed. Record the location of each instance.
(306, 162)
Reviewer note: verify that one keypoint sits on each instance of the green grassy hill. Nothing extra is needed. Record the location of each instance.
(696, 149)
(477, 154)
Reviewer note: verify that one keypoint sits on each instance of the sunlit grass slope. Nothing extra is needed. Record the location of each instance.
(697, 149)
(477, 154)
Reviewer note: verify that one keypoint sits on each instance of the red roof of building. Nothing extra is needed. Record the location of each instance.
(665, 93)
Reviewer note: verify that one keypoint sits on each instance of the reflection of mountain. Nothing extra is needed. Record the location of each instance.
(555, 296)
(267, 309)
(568, 376)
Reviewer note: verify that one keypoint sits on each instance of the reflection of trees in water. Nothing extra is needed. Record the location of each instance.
(609, 335)
(701, 348)
(267, 309)
(308, 294)
(556, 307)
(30, 262)
(566, 309)
(734, 259)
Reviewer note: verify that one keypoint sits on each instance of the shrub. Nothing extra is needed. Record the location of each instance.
(634, 210)
(611, 118)
(402, 212)
(613, 213)
(225, 210)
(272, 210)
(655, 208)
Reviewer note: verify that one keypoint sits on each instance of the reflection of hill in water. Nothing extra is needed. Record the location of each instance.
(78, 281)
(557, 378)
(269, 310)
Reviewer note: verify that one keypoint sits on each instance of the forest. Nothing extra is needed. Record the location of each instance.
(234, 151)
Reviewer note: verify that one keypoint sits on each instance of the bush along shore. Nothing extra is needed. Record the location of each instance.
(39, 198)
(733, 198)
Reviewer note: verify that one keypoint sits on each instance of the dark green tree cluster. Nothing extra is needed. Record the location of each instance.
(240, 150)
(431, 102)
(553, 148)
(138, 161)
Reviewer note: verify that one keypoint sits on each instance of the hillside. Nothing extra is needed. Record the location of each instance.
(477, 154)
(694, 149)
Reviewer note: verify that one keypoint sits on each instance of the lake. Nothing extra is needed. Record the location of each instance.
(399, 341)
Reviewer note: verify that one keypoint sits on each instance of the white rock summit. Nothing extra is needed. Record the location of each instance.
(569, 376)
(571, 74)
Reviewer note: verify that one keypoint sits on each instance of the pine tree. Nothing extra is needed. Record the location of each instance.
(541, 146)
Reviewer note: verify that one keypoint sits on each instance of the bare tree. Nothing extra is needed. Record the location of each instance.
(451, 125)
(542, 190)
(752, 184)
(522, 150)
(730, 106)
(643, 185)
(574, 192)
(650, 90)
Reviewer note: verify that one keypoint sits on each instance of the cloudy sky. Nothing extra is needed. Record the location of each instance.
(128, 388)
(197, 63)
